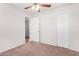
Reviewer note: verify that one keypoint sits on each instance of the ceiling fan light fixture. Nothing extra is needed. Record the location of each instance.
(36, 7)
(33, 7)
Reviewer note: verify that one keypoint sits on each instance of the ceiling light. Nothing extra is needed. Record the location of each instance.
(36, 7)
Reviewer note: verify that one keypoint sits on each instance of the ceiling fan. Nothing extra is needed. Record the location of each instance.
(36, 6)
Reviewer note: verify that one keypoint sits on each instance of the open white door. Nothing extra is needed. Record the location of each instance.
(34, 28)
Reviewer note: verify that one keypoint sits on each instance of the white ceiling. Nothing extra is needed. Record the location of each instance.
(30, 11)
(23, 5)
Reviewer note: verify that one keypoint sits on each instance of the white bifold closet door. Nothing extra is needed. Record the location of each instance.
(50, 30)
(34, 28)
(63, 30)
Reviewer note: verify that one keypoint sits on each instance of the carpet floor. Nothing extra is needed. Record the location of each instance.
(39, 49)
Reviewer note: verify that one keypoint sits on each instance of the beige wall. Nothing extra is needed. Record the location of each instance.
(12, 27)
(74, 32)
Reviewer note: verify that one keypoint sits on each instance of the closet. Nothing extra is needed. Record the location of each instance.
(50, 29)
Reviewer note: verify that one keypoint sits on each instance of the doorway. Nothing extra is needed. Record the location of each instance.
(26, 29)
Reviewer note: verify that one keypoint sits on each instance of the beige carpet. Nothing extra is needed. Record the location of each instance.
(39, 49)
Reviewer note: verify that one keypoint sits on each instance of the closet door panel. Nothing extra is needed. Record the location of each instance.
(48, 29)
(63, 30)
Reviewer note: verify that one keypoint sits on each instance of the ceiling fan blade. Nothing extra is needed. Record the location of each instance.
(27, 7)
(30, 6)
(45, 5)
